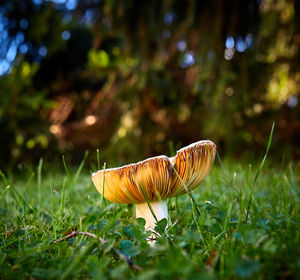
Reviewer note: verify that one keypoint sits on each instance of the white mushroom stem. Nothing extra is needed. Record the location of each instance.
(159, 208)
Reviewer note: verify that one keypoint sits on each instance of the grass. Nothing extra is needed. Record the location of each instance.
(247, 228)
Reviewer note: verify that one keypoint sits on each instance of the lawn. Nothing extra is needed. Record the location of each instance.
(245, 225)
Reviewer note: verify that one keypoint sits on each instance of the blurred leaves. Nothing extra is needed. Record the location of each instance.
(128, 248)
(98, 58)
(128, 77)
(246, 268)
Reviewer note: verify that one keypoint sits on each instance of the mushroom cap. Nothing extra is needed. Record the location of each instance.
(158, 177)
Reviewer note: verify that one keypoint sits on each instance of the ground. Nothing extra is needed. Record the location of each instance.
(243, 222)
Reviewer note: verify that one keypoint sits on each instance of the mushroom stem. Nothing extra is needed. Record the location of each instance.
(159, 208)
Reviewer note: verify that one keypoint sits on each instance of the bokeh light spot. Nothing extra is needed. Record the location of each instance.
(90, 120)
(20, 38)
(24, 48)
(71, 4)
(42, 51)
(249, 40)
(188, 60)
(181, 45)
(24, 23)
(37, 2)
(66, 35)
(229, 43)
(169, 17)
(229, 53)
(241, 44)
(12, 52)
(4, 66)
(292, 101)
(30, 144)
(229, 91)
(55, 129)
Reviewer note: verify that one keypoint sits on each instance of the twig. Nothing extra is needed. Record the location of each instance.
(8, 232)
(102, 241)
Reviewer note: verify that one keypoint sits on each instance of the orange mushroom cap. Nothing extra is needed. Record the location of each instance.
(159, 177)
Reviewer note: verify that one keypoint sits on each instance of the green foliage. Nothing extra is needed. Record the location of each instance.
(132, 76)
(22, 132)
(231, 238)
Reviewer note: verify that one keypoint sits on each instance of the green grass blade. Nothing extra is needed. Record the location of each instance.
(265, 156)
(103, 186)
(98, 159)
(65, 166)
(79, 169)
(4, 178)
(39, 179)
(220, 161)
(172, 149)
(251, 198)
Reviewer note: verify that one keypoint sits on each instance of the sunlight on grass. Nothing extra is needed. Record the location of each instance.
(230, 238)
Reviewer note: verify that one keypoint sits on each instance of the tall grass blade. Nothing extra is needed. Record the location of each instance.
(103, 186)
(171, 148)
(79, 169)
(39, 179)
(258, 172)
(98, 159)
(5, 180)
(220, 161)
(65, 166)
(265, 156)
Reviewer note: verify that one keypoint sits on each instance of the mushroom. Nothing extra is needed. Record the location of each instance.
(149, 183)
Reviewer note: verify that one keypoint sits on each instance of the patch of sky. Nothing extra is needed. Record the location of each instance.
(71, 4)
(3, 35)
(249, 40)
(241, 45)
(169, 17)
(292, 101)
(9, 45)
(66, 35)
(37, 2)
(188, 60)
(3, 21)
(19, 38)
(59, 1)
(42, 51)
(229, 43)
(4, 66)
(89, 15)
(12, 52)
(23, 49)
(181, 45)
(24, 23)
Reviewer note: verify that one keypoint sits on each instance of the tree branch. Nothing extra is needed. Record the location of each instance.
(102, 241)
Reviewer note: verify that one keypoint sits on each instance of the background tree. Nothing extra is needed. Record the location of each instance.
(131, 77)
